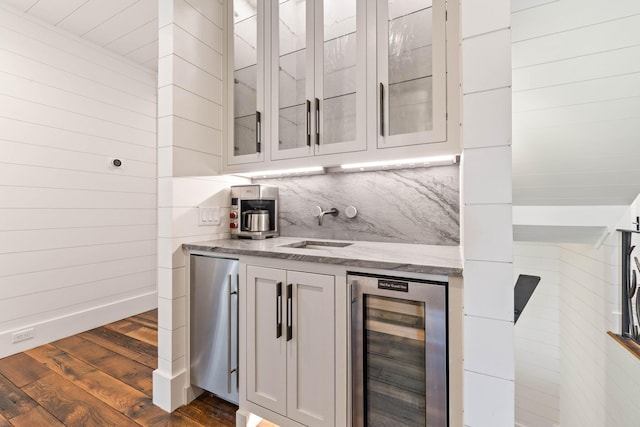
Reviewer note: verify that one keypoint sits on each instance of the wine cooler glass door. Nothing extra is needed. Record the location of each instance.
(399, 353)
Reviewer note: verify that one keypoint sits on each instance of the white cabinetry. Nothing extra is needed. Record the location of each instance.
(411, 69)
(290, 344)
(318, 80)
(338, 81)
(245, 78)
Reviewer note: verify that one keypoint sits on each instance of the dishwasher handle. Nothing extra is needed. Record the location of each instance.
(229, 331)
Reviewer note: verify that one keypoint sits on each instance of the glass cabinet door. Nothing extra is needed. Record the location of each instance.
(411, 70)
(292, 73)
(341, 81)
(247, 71)
(319, 54)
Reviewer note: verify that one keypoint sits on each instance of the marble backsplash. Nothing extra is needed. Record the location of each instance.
(419, 205)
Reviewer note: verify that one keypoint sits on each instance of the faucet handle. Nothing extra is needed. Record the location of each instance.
(317, 211)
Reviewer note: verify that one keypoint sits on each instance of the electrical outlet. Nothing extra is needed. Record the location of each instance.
(23, 335)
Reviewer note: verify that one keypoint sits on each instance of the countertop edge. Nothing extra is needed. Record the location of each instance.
(409, 268)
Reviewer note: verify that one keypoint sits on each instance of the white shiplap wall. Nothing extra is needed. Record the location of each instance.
(77, 236)
(576, 102)
(537, 339)
(190, 134)
(486, 212)
(600, 379)
(588, 299)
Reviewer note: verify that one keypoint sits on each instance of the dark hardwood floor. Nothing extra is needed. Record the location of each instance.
(97, 378)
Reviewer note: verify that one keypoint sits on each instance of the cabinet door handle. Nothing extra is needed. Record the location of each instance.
(381, 109)
(230, 370)
(308, 123)
(278, 310)
(258, 131)
(317, 121)
(289, 312)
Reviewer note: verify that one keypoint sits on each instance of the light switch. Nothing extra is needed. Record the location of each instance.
(208, 216)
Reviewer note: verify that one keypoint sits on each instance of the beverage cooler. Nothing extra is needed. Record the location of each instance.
(399, 351)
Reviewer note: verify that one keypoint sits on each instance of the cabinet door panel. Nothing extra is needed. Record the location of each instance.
(412, 72)
(292, 73)
(247, 84)
(340, 64)
(311, 351)
(266, 354)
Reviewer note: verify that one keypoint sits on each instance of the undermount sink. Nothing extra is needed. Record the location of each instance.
(313, 244)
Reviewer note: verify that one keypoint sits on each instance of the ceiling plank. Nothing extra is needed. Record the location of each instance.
(54, 11)
(92, 14)
(124, 22)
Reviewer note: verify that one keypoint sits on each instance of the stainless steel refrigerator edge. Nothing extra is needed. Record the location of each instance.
(214, 325)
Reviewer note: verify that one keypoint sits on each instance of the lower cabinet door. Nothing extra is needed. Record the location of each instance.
(311, 349)
(291, 344)
(266, 338)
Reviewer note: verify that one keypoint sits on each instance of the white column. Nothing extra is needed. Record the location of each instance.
(487, 214)
(190, 134)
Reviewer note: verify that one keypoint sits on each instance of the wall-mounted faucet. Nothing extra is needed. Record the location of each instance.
(320, 213)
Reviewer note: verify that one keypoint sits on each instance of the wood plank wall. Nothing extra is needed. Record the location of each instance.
(77, 236)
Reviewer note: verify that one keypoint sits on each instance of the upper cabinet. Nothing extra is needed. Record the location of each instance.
(325, 82)
(412, 72)
(318, 77)
(246, 85)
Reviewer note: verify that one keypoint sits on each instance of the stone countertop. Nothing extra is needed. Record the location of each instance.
(427, 259)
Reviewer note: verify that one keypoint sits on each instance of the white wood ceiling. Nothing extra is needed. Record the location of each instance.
(126, 27)
(576, 102)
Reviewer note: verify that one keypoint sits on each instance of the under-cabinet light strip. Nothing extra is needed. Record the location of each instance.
(422, 161)
(284, 172)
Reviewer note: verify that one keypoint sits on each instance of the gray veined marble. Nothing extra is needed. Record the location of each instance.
(419, 205)
(400, 257)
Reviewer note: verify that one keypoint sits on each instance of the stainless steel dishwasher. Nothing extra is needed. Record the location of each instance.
(214, 325)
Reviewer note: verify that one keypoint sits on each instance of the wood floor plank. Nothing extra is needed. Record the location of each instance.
(126, 370)
(37, 417)
(13, 401)
(72, 405)
(144, 321)
(21, 369)
(131, 348)
(125, 399)
(123, 326)
(151, 315)
(144, 334)
(174, 419)
(4, 422)
(210, 411)
(134, 329)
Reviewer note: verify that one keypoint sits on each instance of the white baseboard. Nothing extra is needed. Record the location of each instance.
(169, 392)
(73, 323)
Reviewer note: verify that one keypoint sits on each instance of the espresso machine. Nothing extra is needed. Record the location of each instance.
(254, 211)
